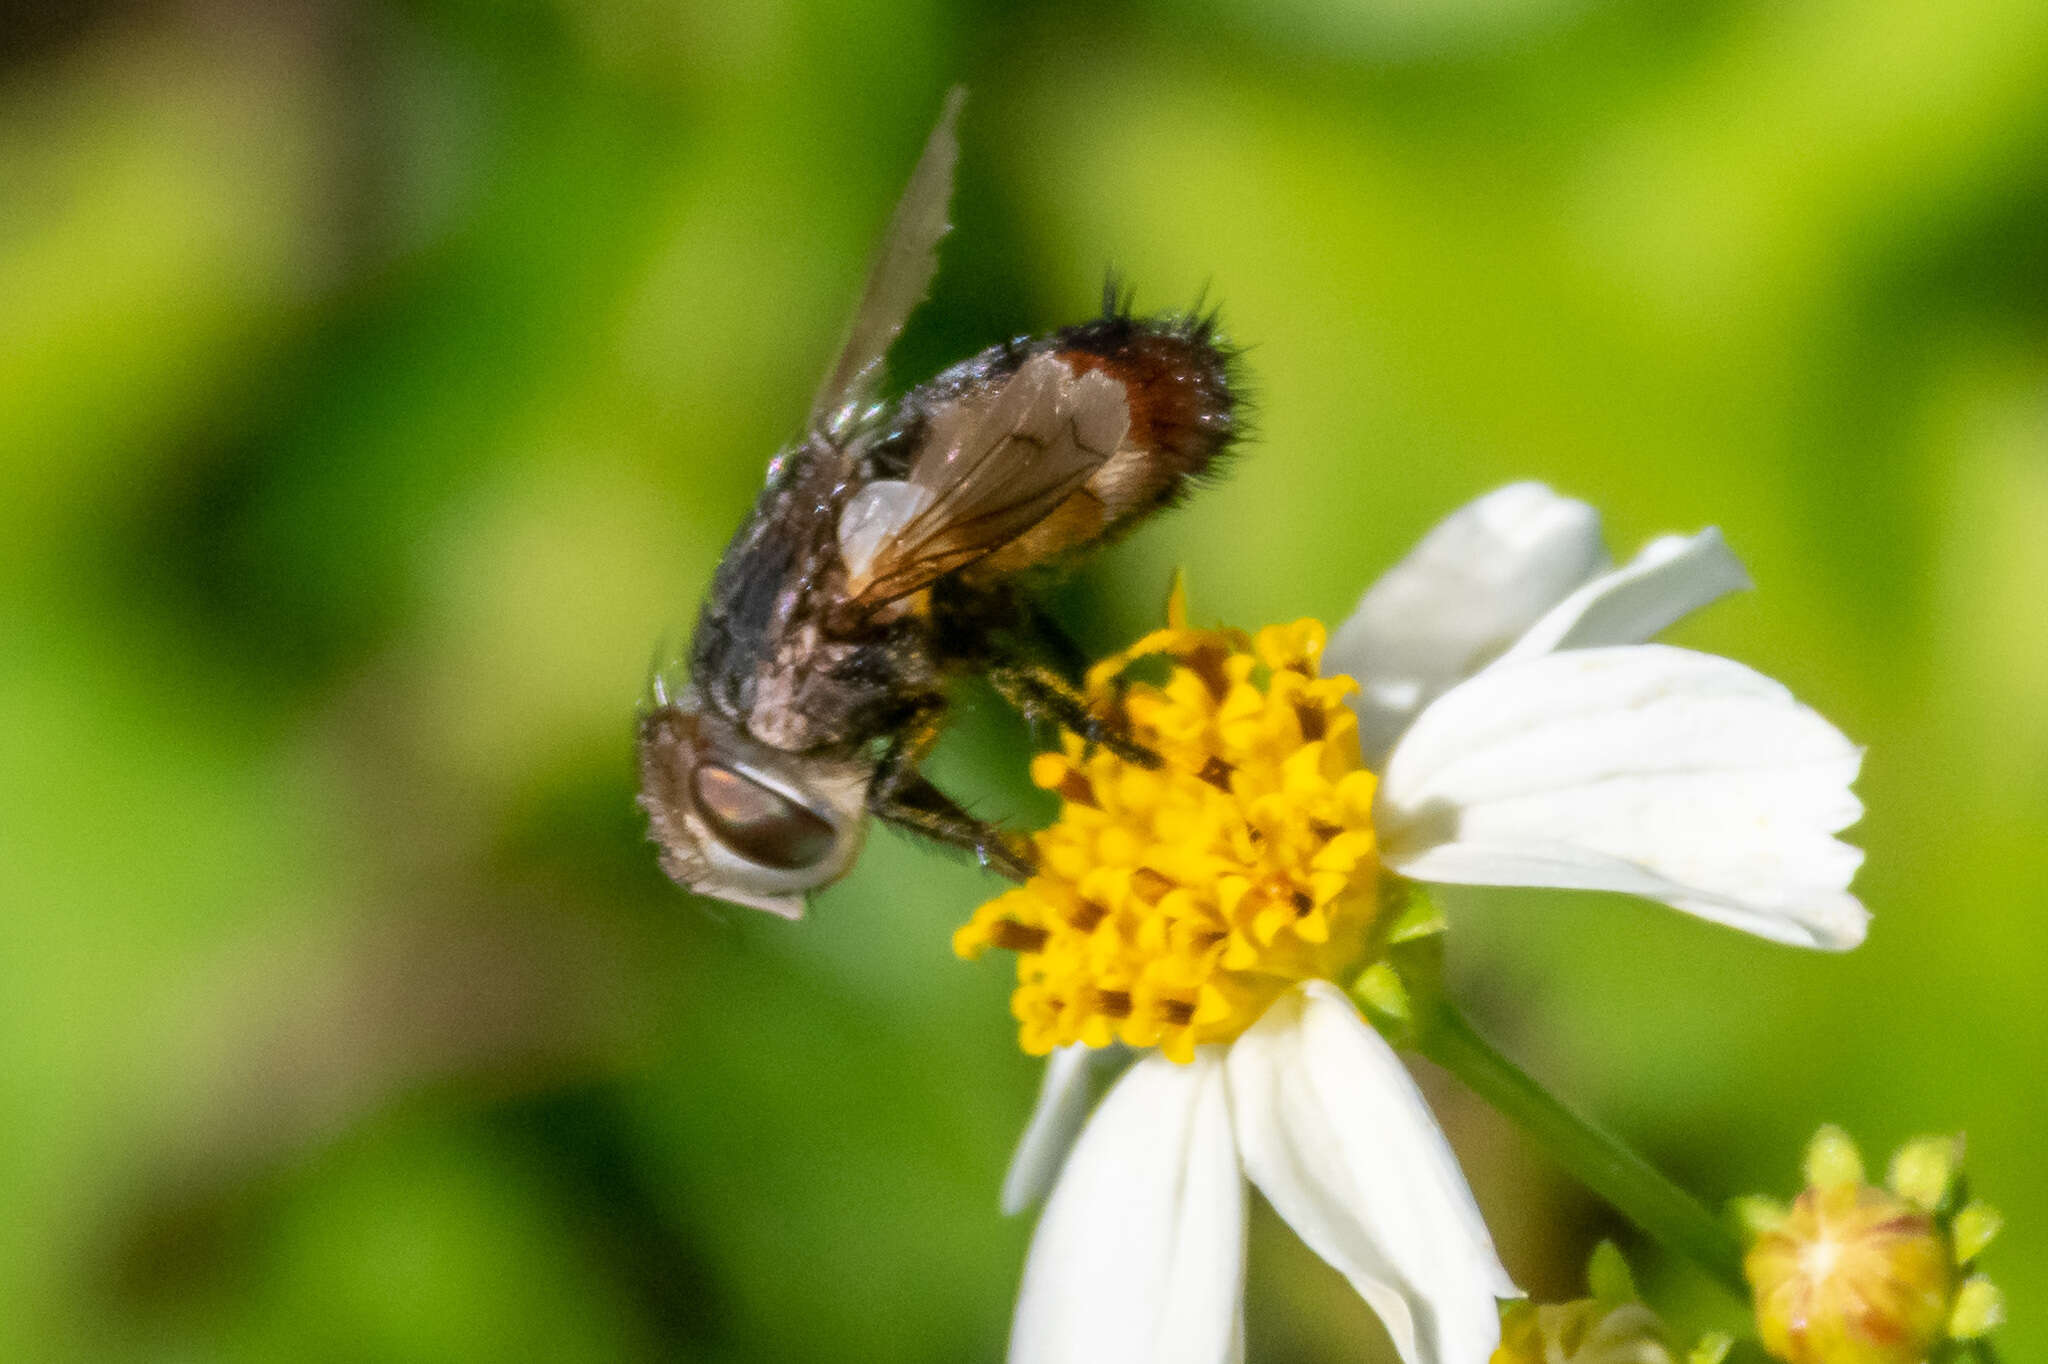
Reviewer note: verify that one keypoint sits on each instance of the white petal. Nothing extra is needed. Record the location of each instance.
(1063, 1097)
(1673, 577)
(1139, 1256)
(1662, 772)
(1338, 1138)
(1480, 578)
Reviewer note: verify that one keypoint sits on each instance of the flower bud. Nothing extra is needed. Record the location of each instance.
(1854, 1274)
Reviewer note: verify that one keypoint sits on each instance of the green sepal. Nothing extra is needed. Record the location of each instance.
(1712, 1349)
(1608, 1276)
(1979, 1309)
(1973, 1229)
(1415, 950)
(1402, 991)
(1924, 1170)
(1756, 1216)
(1417, 914)
(1381, 994)
(1832, 1160)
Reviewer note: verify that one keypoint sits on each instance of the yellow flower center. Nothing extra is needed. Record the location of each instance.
(1173, 903)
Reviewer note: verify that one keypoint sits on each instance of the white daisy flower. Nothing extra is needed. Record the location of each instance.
(1510, 727)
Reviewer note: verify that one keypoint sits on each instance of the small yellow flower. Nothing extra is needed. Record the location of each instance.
(1175, 903)
(1852, 1273)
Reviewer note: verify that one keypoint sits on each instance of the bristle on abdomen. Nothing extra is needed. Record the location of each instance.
(1183, 411)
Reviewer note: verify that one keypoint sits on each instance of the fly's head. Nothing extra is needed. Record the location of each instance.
(742, 821)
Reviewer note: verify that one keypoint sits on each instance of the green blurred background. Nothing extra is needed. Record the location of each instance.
(379, 382)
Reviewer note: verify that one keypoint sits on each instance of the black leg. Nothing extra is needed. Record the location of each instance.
(913, 803)
(1045, 638)
(1041, 693)
(903, 796)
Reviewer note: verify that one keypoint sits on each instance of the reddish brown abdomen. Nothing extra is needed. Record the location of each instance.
(1183, 414)
(1183, 409)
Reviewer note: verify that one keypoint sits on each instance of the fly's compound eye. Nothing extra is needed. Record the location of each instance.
(761, 825)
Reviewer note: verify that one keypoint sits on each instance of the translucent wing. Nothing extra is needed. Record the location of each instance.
(901, 274)
(988, 470)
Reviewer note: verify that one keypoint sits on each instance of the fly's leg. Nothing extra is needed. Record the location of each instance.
(1047, 640)
(1040, 674)
(903, 796)
(1033, 664)
(914, 803)
(1042, 693)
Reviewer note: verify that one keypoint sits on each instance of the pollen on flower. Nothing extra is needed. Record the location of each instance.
(1173, 904)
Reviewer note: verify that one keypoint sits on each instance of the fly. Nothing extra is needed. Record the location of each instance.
(887, 555)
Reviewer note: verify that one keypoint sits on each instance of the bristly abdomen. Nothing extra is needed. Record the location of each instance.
(1177, 377)
(1179, 381)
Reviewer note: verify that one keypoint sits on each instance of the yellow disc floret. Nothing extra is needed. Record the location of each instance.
(1173, 903)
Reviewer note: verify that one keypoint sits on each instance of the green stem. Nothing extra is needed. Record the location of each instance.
(1662, 1209)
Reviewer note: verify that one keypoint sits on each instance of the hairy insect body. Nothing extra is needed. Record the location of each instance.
(1178, 413)
(888, 554)
(766, 654)
(784, 645)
